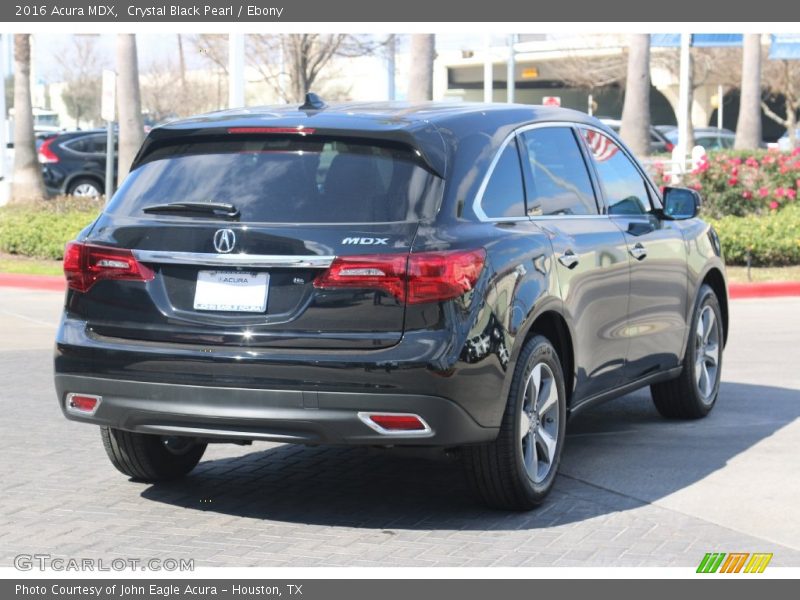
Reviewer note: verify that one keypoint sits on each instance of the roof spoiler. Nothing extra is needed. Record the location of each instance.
(426, 141)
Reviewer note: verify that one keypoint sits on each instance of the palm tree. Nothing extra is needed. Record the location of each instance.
(635, 127)
(27, 184)
(748, 126)
(129, 102)
(420, 78)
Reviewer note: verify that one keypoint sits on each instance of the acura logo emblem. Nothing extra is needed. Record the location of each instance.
(224, 240)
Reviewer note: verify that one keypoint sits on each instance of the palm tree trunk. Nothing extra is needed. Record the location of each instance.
(27, 185)
(420, 79)
(748, 126)
(131, 125)
(635, 128)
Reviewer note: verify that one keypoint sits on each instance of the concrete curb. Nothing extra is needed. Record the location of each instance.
(767, 289)
(771, 289)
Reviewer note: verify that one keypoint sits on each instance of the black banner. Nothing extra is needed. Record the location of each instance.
(289, 11)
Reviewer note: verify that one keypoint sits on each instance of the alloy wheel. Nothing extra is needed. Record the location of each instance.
(539, 423)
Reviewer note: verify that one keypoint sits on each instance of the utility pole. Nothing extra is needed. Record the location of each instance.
(391, 57)
(488, 74)
(3, 114)
(235, 70)
(511, 77)
(684, 110)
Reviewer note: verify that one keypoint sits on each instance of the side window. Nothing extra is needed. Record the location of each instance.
(623, 185)
(560, 183)
(77, 145)
(98, 144)
(504, 195)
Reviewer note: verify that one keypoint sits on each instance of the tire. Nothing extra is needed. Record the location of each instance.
(85, 187)
(497, 470)
(694, 393)
(151, 458)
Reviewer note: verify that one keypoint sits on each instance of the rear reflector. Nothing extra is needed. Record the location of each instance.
(86, 264)
(389, 423)
(415, 278)
(85, 404)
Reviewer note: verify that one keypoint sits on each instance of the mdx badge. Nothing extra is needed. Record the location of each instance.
(366, 241)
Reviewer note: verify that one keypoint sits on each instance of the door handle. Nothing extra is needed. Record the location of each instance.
(569, 259)
(638, 251)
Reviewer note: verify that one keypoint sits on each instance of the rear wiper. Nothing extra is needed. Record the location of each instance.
(215, 209)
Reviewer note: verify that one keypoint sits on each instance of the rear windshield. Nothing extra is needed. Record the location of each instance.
(286, 180)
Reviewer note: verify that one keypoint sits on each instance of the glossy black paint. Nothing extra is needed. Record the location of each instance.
(621, 322)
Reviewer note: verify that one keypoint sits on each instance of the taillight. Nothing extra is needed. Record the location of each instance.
(415, 279)
(436, 276)
(46, 154)
(86, 264)
(299, 130)
(385, 272)
(669, 146)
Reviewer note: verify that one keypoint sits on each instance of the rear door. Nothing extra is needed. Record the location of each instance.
(253, 278)
(658, 301)
(590, 254)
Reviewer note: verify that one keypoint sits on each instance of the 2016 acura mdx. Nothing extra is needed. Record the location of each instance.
(453, 275)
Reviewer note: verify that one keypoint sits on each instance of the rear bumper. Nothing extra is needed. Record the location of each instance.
(294, 416)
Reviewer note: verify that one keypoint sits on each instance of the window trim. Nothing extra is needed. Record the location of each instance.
(477, 209)
(598, 205)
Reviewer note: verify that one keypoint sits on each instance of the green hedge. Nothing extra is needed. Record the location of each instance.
(41, 230)
(737, 182)
(772, 239)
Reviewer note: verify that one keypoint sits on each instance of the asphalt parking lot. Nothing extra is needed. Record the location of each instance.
(635, 489)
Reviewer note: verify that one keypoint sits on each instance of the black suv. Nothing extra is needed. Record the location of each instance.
(74, 162)
(454, 276)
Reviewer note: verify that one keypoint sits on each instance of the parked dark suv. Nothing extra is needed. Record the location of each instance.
(74, 162)
(458, 276)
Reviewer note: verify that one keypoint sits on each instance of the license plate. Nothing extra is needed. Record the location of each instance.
(231, 291)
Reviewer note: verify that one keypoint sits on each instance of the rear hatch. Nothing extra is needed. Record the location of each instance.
(234, 240)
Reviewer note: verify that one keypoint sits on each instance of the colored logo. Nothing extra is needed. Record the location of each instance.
(734, 562)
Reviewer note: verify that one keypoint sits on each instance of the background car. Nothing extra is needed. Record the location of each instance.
(709, 138)
(74, 162)
(783, 142)
(658, 141)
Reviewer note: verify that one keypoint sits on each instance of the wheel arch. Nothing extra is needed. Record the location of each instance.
(552, 325)
(715, 279)
(83, 175)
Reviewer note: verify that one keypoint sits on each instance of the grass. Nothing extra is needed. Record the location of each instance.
(761, 274)
(12, 263)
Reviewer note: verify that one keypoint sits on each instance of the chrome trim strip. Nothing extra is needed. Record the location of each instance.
(233, 260)
(365, 418)
(476, 204)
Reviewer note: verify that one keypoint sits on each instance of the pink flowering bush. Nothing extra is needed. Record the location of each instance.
(742, 182)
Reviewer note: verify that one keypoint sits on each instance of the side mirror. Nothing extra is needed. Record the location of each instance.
(680, 203)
